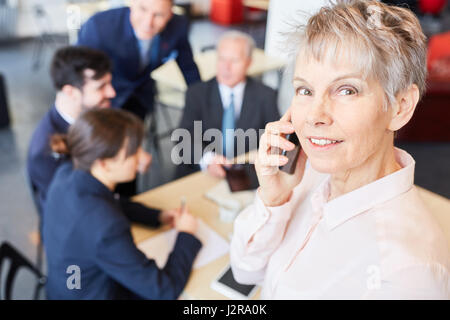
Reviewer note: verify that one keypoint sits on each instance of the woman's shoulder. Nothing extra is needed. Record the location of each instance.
(85, 198)
(408, 233)
(61, 182)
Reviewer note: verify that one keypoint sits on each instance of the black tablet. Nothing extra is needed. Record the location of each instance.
(228, 286)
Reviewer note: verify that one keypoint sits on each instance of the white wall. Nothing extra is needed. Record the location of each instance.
(200, 7)
(26, 24)
(282, 14)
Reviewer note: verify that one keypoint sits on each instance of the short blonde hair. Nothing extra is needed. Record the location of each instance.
(385, 42)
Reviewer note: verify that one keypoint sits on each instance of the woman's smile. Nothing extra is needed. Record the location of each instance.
(323, 143)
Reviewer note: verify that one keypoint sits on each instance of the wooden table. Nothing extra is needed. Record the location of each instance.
(258, 4)
(193, 188)
(168, 196)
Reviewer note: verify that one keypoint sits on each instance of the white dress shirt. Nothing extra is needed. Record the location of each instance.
(376, 242)
(225, 96)
(66, 117)
(238, 94)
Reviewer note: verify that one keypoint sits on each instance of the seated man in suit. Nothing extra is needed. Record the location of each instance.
(231, 100)
(82, 78)
(138, 40)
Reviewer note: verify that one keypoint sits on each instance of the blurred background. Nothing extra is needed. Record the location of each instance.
(31, 31)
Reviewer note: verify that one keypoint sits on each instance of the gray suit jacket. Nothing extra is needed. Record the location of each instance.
(203, 103)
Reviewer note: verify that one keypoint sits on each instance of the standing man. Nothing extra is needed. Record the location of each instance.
(138, 39)
(227, 102)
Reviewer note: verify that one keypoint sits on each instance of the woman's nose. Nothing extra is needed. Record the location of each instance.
(111, 92)
(318, 113)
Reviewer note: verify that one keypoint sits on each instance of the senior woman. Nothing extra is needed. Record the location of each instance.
(349, 223)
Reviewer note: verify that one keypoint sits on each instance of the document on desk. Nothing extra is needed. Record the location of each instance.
(222, 195)
(160, 246)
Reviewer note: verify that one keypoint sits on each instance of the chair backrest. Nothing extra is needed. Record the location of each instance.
(4, 114)
(17, 261)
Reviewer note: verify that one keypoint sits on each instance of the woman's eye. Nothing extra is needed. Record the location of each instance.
(347, 92)
(303, 92)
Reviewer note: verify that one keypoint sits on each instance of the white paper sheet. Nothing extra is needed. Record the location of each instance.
(160, 246)
(222, 195)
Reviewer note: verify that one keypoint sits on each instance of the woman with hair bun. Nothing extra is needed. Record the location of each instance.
(89, 247)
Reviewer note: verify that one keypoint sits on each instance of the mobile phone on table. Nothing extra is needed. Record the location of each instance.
(229, 287)
(292, 155)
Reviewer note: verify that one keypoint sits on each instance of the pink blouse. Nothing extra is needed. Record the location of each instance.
(376, 242)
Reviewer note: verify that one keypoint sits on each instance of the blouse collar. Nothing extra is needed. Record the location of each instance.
(345, 207)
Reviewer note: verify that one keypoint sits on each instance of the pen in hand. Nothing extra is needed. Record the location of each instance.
(183, 204)
(185, 222)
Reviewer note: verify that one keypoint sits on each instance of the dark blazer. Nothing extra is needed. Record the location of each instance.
(86, 227)
(203, 103)
(111, 32)
(41, 162)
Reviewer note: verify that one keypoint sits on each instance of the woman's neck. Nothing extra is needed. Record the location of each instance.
(98, 174)
(378, 165)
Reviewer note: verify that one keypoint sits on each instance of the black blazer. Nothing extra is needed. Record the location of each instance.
(85, 226)
(203, 103)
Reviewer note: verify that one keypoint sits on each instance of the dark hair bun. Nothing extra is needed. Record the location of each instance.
(58, 144)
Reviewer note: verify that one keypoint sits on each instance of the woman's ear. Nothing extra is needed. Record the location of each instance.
(102, 164)
(404, 106)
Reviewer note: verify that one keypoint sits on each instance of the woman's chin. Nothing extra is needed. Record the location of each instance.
(324, 166)
(127, 179)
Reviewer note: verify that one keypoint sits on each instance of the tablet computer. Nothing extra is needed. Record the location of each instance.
(229, 287)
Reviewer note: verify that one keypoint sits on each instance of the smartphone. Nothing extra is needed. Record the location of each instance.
(229, 287)
(292, 155)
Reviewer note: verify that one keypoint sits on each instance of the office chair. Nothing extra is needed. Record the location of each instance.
(7, 251)
(4, 113)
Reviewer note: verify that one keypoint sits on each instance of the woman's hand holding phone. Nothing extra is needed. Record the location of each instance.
(275, 185)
